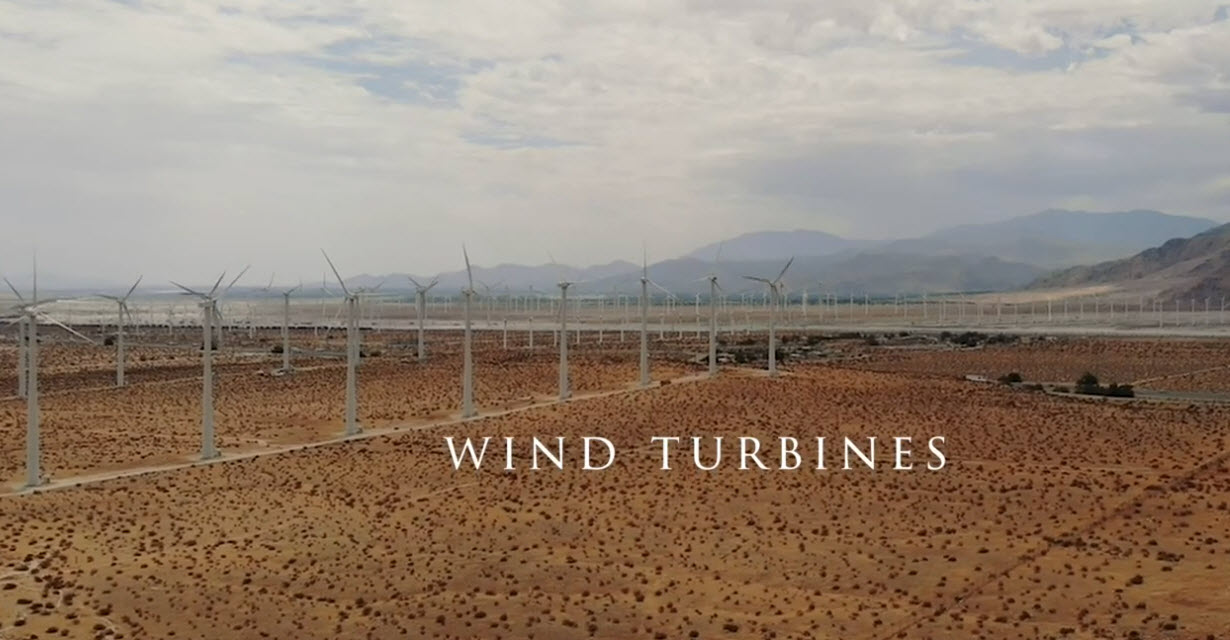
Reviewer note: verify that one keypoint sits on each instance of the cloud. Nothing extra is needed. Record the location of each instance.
(203, 135)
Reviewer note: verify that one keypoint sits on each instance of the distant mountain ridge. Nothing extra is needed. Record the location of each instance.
(997, 255)
(1179, 269)
(861, 273)
(515, 276)
(771, 245)
(1058, 238)
(1001, 255)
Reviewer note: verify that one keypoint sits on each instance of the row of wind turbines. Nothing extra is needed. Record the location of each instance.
(27, 313)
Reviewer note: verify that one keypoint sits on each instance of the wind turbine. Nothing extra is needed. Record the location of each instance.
(286, 368)
(122, 304)
(713, 290)
(420, 299)
(504, 319)
(209, 310)
(774, 286)
(467, 366)
(23, 343)
(565, 391)
(29, 315)
(352, 351)
(488, 298)
(644, 319)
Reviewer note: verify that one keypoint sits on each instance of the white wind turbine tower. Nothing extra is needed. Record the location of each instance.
(420, 299)
(467, 364)
(504, 314)
(22, 343)
(645, 282)
(352, 351)
(286, 368)
(488, 299)
(565, 391)
(29, 315)
(644, 319)
(774, 286)
(122, 304)
(713, 291)
(209, 313)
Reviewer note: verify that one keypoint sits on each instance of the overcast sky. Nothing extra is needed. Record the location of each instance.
(177, 138)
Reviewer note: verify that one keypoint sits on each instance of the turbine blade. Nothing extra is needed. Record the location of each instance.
(469, 273)
(415, 282)
(788, 263)
(335, 273)
(134, 287)
(764, 280)
(189, 291)
(63, 326)
(217, 284)
(14, 290)
(228, 287)
(559, 271)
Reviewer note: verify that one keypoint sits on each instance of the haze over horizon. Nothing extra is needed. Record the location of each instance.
(150, 137)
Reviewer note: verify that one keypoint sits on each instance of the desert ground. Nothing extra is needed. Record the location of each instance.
(1055, 517)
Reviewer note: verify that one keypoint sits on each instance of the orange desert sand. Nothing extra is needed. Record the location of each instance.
(1055, 517)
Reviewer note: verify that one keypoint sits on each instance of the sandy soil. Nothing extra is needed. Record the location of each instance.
(1054, 518)
(1066, 359)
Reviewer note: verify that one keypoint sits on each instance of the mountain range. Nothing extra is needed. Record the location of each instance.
(1180, 269)
(994, 256)
(1058, 238)
(976, 257)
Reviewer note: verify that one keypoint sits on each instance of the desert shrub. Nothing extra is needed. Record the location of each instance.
(970, 339)
(109, 341)
(1010, 378)
(277, 348)
(1088, 384)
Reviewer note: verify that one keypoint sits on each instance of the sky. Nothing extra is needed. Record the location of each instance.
(178, 139)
